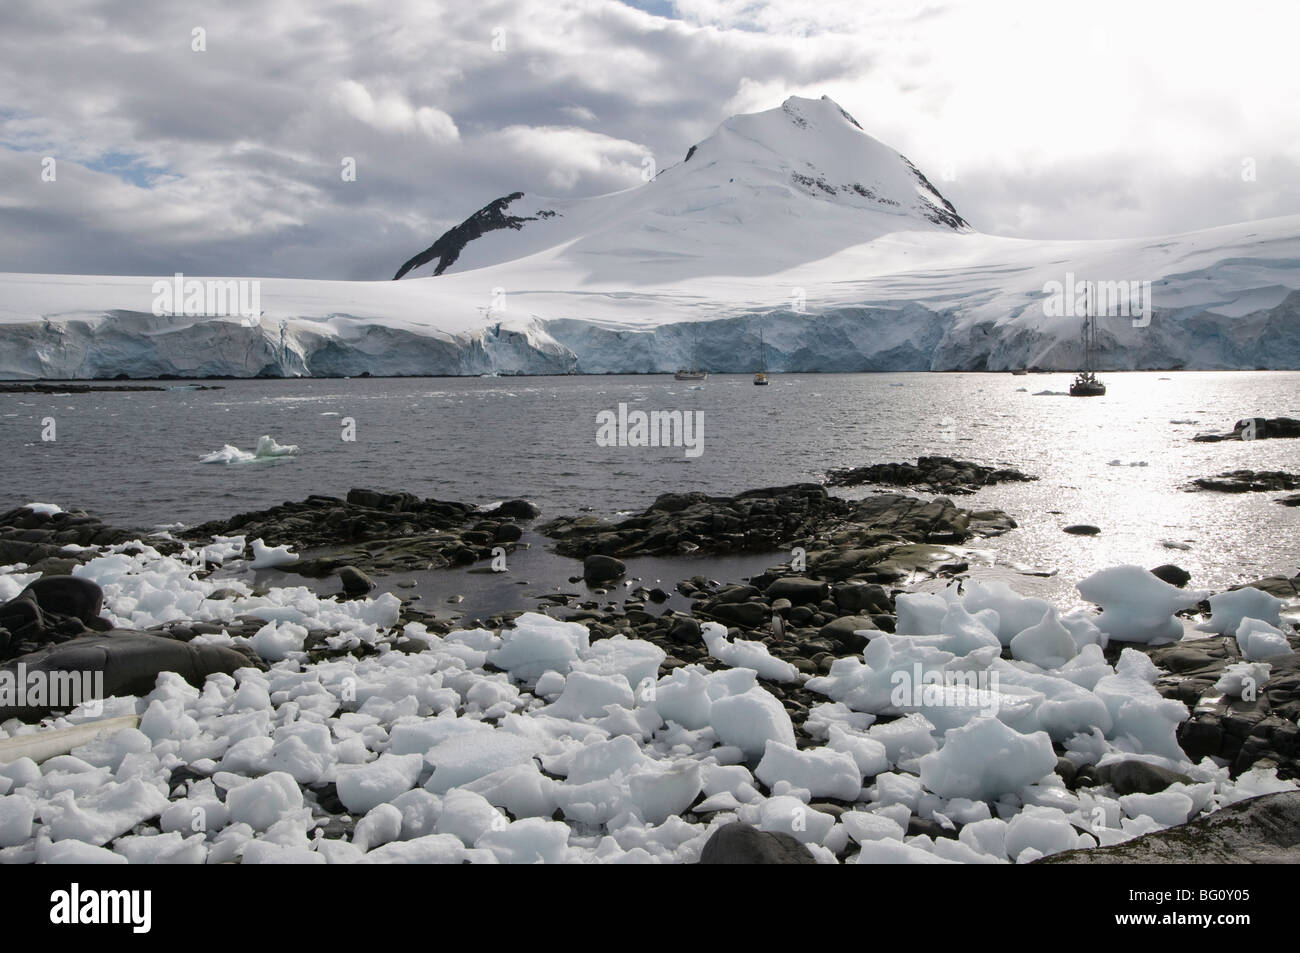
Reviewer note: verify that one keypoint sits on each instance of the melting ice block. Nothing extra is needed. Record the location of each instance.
(1136, 606)
(985, 759)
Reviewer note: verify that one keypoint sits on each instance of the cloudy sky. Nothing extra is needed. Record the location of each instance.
(1036, 119)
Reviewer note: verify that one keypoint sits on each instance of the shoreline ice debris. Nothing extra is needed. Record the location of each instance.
(1136, 606)
(540, 744)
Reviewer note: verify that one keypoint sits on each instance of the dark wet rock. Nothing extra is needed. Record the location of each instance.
(373, 531)
(920, 826)
(936, 474)
(797, 589)
(1239, 732)
(856, 597)
(355, 582)
(1138, 777)
(1249, 481)
(1174, 575)
(1260, 830)
(1082, 529)
(746, 615)
(508, 533)
(1255, 428)
(515, 510)
(597, 568)
(1280, 586)
(1067, 771)
(130, 663)
(38, 539)
(49, 610)
(738, 843)
(844, 632)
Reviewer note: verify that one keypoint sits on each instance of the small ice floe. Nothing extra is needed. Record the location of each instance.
(267, 449)
(268, 557)
(45, 509)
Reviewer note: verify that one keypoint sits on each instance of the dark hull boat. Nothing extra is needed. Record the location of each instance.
(1086, 383)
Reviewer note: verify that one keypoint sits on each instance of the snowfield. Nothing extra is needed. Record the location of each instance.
(469, 746)
(793, 221)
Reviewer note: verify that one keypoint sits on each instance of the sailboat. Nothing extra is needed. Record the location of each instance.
(760, 379)
(1086, 383)
(695, 372)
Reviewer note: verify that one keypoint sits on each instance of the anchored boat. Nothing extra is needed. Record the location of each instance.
(760, 379)
(1086, 383)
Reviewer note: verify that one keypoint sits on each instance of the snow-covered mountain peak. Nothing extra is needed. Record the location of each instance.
(764, 192)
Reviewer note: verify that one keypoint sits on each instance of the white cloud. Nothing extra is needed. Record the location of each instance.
(1060, 120)
(391, 112)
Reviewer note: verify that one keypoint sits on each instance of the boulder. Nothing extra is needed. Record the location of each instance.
(355, 582)
(738, 843)
(1174, 575)
(597, 568)
(129, 662)
(798, 589)
(844, 632)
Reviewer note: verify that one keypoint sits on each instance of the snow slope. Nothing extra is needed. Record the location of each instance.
(793, 221)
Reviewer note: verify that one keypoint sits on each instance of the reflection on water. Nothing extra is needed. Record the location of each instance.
(133, 457)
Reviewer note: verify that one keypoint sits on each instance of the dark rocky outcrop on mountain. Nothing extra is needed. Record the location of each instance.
(449, 245)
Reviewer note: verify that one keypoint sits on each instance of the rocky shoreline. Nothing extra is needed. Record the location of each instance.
(839, 569)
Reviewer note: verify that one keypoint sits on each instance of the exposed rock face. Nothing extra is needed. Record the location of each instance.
(742, 844)
(38, 539)
(400, 531)
(936, 474)
(1243, 732)
(449, 245)
(1255, 428)
(129, 662)
(771, 518)
(1260, 830)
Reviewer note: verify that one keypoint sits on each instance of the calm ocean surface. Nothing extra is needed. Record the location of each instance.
(1119, 461)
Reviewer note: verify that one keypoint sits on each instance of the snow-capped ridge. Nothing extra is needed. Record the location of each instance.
(757, 175)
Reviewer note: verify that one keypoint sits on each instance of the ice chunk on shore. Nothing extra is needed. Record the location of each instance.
(1015, 612)
(1228, 609)
(275, 641)
(104, 814)
(746, 654)
(539, 644)
(262, 802)
(821, 772)
(1137, 606)
(268, 557)
(1240, 677)
(750, 720)
(985, 759)
(1049, 644)
(44, 509)
(362, 787)
(1259, 640)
